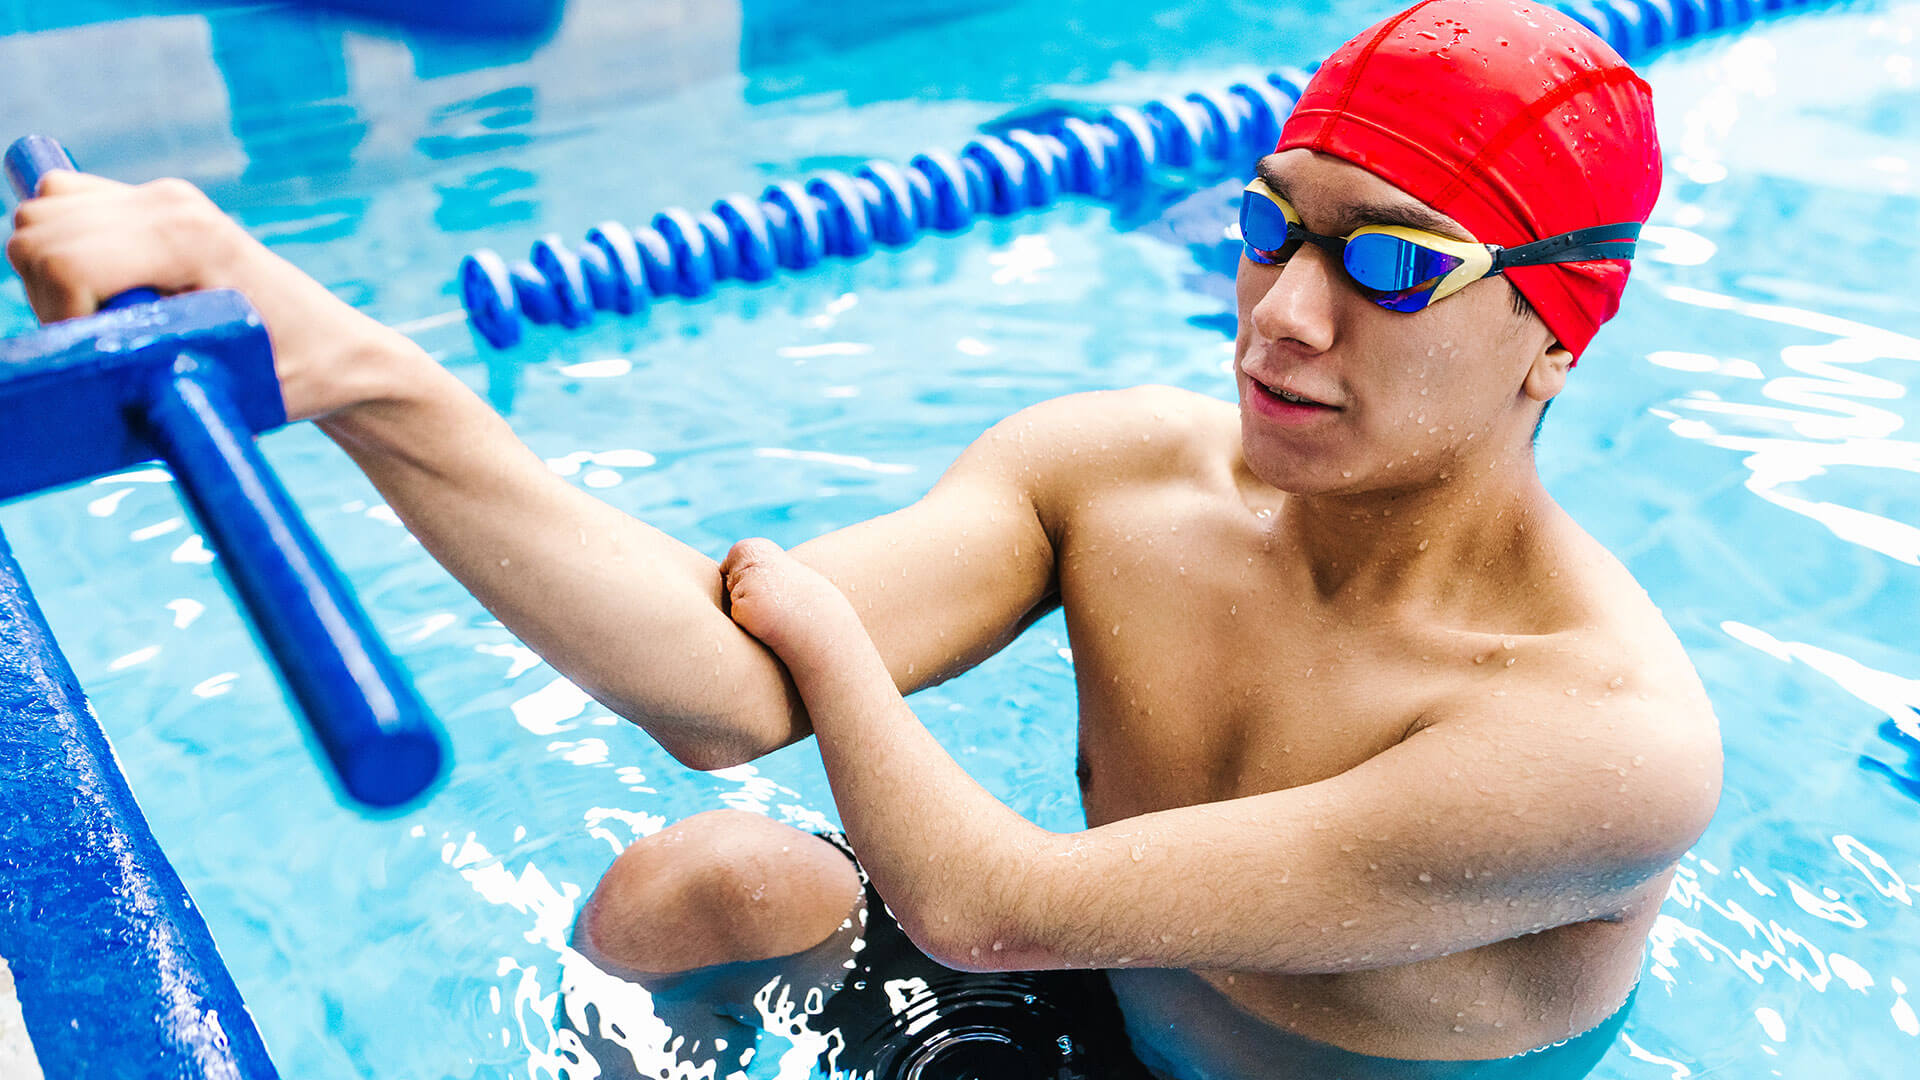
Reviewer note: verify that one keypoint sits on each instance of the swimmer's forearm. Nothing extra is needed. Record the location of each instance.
(1398, 860)
(944, 853)
(626, 612)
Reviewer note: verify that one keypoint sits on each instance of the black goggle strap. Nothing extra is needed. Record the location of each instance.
(1598, 242)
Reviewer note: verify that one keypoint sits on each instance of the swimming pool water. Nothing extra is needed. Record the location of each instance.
(1742, 436)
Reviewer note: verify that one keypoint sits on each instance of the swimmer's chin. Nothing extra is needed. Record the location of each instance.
(1307, 479)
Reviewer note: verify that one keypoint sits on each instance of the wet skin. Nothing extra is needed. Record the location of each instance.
(1375, 739)
(1268, 597)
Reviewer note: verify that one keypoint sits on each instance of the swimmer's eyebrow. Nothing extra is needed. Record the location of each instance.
(1352, 216)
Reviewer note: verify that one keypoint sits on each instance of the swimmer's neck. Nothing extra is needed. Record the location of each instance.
(1419, 544)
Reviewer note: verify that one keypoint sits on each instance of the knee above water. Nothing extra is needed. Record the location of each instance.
(725, 863)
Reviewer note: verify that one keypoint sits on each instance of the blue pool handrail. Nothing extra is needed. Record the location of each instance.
(116, 973)
(190, 379)
(1109, 155)
(34, 156)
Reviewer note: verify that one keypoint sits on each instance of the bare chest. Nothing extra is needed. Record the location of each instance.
(1205, 675)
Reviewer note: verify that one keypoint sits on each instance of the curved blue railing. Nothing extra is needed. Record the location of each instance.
(1109, 155)
(90, 909)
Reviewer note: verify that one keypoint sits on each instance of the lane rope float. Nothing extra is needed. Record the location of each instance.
(1108, 156)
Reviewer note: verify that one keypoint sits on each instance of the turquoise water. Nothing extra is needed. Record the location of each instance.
(1742, 436)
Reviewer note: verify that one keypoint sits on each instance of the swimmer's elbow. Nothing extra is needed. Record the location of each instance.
(980, 905)
(703, 755)
(973, 941)
(963, 949)
(711, 750)
(708, 742)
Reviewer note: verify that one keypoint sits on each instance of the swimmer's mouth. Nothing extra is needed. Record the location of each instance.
(1288, 396)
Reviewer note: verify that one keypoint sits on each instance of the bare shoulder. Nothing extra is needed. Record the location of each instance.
(1600, 693)
(1106, 439)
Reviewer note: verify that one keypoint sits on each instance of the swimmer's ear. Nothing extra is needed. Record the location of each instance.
(1548, 373)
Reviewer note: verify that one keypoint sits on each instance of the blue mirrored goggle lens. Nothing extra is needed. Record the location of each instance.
(1263, 227)
(1389, 264)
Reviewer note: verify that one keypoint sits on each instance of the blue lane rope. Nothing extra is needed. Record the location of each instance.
(1109, 157)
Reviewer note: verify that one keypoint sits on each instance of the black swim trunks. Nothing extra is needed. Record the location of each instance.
(904, 1016)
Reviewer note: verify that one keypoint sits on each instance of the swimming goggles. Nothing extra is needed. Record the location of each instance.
(1405, 269)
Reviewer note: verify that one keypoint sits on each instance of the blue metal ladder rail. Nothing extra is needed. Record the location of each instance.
(88, 898)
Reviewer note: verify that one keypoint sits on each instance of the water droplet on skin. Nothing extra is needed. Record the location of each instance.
(1423, 545)
(1510, 659)
(1116, 629)
(1426, 878)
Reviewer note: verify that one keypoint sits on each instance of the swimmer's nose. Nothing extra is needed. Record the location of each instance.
(1298, 304)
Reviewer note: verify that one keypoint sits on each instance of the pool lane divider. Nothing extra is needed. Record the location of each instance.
(190, 380)
(1111, 155)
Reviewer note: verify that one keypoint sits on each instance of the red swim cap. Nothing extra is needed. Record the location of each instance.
(1508, 117)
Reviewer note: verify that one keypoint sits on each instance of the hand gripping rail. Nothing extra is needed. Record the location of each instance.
(189, 379)
(1109, 155)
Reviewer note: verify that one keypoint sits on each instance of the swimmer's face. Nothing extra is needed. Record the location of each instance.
(1413, 396)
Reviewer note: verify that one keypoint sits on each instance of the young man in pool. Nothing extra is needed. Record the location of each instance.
(1382, 756)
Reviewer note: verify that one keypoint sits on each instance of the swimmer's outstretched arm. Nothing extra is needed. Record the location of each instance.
(628, 613)
(1490, 823)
